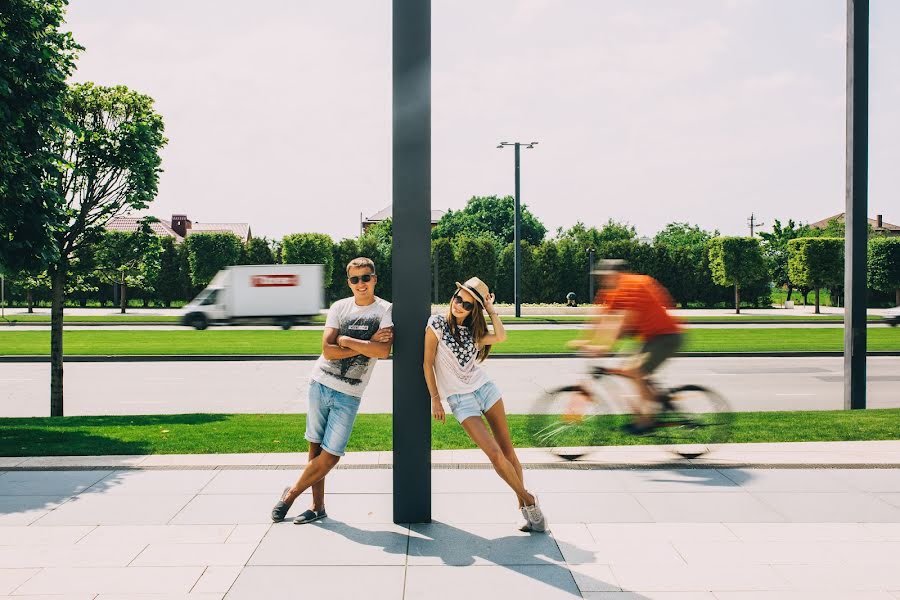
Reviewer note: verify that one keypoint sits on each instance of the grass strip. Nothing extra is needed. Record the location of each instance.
(230, 341)
(227, 433)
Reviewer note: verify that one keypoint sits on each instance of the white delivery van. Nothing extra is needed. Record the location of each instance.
(282, 295)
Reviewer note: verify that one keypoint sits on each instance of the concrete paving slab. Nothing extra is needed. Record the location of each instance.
(217, 580)
(152, 483)
(707, 507)
(10, 579)
(756, 553)
(685, 480)
(811, 532)
(593, 507)
(594, 578)
(102, 509)
(84, 461)
(48, 483)
(866, 553)
(692, 578)
(106, 555)
(870, 480)
(485, 508)
(190, 596)
(52, 597)
(333, 542)
(892, 499)
(802, 595)
(113, 580)
(248, 534)
(335, 583)
(25, 510)
(10, 461)
(649, 553)
(468, 544)
(155, 534)
(188, 555)
(844, 577)
(557, 481)
(202, 460)
(548, 582)
(211, 509)
(783, 480)
(660, 532)
(21, 535)
(830, 507)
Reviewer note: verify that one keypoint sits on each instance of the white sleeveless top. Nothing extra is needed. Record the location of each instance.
(455, 366)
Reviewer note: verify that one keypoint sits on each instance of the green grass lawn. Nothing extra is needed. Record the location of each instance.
(201, 433)
(230, 341)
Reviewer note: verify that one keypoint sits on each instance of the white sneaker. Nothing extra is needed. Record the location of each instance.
(535, 516)
(526, 526)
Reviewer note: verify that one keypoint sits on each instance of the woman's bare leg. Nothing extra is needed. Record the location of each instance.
(496, 418)
(474, 426)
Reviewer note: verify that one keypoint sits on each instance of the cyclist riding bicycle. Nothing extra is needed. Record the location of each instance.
(633, 305)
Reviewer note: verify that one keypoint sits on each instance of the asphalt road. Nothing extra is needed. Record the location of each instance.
(280, 387)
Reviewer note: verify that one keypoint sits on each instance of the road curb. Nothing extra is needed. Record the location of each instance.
(304, 357)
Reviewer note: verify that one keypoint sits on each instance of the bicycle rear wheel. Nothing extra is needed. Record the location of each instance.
(564, 420)
(694, 417)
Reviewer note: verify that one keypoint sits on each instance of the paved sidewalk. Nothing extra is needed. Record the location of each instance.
(643, 533)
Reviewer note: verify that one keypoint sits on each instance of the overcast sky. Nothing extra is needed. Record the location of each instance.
(647, 111)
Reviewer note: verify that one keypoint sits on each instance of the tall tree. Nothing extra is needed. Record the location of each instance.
(209, 253)
(111, 166)
(775, 250)
(816, 262)
(129, 259)
(884, 265)
(167, 281)
(493, 216)
(258, 251)
(36, 58)
(309, 249)
(736, 261)
(442, 260)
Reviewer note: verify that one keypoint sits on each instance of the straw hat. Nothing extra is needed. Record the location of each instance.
(476, 287)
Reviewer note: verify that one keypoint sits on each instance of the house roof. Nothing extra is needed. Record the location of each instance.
(885, 226)
(242, 230)
(387, 212)
(129, 224)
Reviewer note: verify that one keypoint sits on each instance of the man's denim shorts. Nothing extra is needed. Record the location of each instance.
(474, 404)
(330, 418)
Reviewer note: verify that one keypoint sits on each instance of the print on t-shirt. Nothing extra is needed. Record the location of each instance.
(351, 370)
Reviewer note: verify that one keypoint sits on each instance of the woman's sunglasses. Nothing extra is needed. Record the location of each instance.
(365, 278)
(466, 305)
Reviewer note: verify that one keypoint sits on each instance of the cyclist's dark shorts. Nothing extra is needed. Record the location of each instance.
(659, 349)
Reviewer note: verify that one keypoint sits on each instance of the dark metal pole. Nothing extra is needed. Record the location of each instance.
(856, 230)
(412, 244)
(517, 268)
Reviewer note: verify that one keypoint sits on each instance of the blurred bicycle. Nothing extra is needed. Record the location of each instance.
(568, 420)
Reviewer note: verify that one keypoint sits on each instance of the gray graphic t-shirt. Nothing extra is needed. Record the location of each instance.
(350, 375)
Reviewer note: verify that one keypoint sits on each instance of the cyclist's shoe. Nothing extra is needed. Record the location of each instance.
(636, 429)
(535, 516)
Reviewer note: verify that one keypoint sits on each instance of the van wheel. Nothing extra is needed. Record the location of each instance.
(199, 322)
(286, 323)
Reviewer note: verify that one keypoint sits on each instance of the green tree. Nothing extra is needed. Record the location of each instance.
(209, 253)
(381, 254)
(168, 281)
(475, 257)
(110, 166)
(309, 249)
(736, 261)
(36, 59)
(258, 251)
(492, 216)
(129, 259)
(442, 258)
(816, 262)
(884, 265)
(547, 264)
(505, 274)
(343, 252)
(775, 250)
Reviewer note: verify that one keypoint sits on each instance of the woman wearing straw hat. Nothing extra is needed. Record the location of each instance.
(454, 345)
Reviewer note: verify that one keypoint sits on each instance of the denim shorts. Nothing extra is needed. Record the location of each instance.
(474, 404)
(330, 418)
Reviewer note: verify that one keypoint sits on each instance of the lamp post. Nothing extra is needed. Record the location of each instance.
(517, 265)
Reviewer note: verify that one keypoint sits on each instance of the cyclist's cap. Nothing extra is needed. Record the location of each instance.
(610, 265)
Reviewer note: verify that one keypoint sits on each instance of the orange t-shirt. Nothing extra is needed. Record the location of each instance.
(644, 302)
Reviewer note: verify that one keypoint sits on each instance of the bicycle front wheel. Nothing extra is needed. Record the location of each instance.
(566, 420)
(694, 415)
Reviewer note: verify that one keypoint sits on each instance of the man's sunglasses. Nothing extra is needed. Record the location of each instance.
(466, 305)
(365, 278)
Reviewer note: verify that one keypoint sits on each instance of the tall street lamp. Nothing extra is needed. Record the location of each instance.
(517, 266)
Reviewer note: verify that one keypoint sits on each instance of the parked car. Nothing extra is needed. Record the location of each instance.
(892, 316)
(282, 295)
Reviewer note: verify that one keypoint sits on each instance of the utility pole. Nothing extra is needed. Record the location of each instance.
(754, 224)
(517, 266)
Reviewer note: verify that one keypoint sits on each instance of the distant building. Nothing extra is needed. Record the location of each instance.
(179, 227)
(386, 213)
(878, 224)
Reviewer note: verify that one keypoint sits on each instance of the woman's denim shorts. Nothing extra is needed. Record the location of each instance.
(474, 404)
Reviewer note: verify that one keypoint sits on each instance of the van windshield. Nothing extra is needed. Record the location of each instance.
(210, 298)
